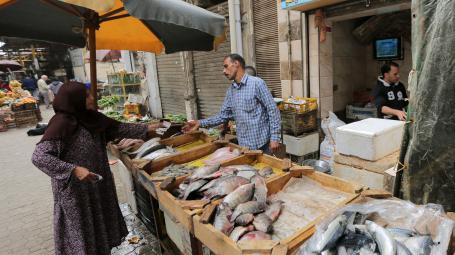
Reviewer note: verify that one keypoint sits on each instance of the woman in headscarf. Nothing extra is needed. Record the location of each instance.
(87, 217)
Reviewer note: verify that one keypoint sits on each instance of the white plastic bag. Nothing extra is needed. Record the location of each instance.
(429, 220)
(329, 126)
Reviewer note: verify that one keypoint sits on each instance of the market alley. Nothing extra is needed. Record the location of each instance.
(25, 195)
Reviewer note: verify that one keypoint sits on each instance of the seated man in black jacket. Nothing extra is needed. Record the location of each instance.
(390, 94)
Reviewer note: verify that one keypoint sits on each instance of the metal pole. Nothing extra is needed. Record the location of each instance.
(92, 49)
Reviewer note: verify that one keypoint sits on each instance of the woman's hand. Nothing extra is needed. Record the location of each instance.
(83, 174)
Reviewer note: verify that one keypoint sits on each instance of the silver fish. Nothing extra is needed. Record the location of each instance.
(341, 250)
(239, 195)
(225, 187)
(260, 189)
(383, 238)
(328, 252)
(401, 232)
(243, 167)
(158, 154)
(246, 173)
(263, 223)
(419, 244)
(201, 172)
(256, 235)
(248, 207)
(150, 143)
(273, 211)
(224, 171)
(334, 231)
(213, 183)
(194, 186)
(266, 171)
(402, 249)
(222, 222)
(239, 231)
(244, 219)
(366, 251)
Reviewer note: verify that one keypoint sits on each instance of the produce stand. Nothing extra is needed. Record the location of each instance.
(18, 108)
(219, 243)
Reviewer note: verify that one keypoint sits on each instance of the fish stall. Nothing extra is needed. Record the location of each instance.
(174, 221)
(285, 213)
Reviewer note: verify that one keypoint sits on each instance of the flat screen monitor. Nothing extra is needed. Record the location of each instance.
(387, 48)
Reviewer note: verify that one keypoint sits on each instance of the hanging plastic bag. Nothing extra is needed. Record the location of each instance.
(329, 126)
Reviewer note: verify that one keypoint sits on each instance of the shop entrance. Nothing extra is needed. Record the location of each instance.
(359, 48)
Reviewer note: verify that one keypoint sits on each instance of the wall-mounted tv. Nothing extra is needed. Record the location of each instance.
(387, 48)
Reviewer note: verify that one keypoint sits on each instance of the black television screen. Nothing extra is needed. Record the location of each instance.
(387, 48)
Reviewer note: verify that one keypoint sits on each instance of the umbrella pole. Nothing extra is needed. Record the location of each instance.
(92, 49)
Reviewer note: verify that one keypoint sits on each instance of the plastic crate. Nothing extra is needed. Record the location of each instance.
(360, 113)
(295, 124)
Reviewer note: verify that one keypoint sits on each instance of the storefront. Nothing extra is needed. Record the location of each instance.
(343, 38)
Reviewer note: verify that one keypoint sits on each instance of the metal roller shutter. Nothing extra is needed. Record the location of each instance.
(265, 20)
(211, 85)
(171, 83)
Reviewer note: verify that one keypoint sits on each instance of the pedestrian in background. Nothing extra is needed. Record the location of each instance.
(87, 217)
(29, 84)
(44, 90)
(55, 86)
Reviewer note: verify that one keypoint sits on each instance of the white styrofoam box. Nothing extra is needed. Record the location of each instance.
(301, 145)
(364, 177)
(369, 139)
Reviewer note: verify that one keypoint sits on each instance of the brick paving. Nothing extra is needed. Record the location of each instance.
(26, 202)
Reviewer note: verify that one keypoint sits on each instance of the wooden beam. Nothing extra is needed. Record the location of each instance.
(190, 94)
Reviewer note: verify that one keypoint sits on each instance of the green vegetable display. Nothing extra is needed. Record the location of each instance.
(108, 101)
(176, 118)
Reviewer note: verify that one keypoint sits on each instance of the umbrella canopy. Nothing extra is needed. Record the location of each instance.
(9, 64)
(147, 25)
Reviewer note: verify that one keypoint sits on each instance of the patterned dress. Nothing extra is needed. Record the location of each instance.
(87, 217)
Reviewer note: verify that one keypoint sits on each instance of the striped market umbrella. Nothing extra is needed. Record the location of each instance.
(143, 25)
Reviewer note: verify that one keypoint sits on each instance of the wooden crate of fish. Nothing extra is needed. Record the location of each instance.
(187, 195)
(140, 153)
(184, 163)
(286, 218)
(382, 226)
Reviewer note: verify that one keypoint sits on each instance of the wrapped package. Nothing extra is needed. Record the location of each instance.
(383, 226)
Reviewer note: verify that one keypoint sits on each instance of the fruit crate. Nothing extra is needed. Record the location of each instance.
(25, 117)
(295, 124)
(221, 244)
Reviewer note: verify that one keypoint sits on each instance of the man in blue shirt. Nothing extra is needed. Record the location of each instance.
(250, 104)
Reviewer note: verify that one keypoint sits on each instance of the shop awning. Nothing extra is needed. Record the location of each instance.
(307, 5)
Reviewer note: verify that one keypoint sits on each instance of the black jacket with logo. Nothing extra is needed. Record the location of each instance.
(391, 95)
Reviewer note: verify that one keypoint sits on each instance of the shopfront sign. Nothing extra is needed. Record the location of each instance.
(306, 5)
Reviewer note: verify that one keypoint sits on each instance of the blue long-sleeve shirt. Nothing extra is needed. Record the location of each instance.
(252, 107)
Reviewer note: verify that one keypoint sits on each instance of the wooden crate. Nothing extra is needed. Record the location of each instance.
(221, 244)
(183, 211)
(181, 143)
(150, 183)
(185, 139)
